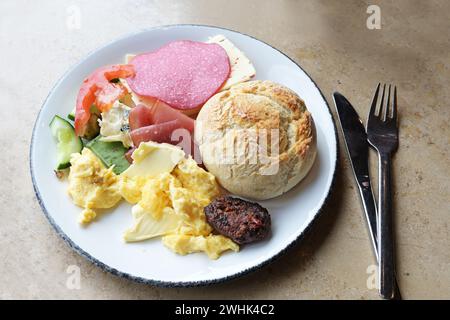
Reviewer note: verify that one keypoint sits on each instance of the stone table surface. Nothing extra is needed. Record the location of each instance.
(40, 40)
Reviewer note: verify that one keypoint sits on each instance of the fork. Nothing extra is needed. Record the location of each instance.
(382, 134)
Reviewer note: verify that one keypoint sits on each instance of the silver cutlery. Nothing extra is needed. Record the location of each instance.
(358, 151)
(357, 146)
(382, 134)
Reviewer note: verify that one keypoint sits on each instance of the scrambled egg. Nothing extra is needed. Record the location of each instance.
(169, 193)
(91, 185)
(149, 160)
(212, 245)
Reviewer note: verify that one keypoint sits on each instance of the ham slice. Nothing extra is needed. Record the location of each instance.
(159, 112)
(183, 74)
(162, 133)
(129, 153)
(161, 123)
(140, 116)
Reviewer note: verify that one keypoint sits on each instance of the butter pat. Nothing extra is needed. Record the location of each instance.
(147, 227)
(241, 67)
(152, 159)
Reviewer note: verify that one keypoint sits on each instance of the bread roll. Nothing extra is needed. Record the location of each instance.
(257, 138)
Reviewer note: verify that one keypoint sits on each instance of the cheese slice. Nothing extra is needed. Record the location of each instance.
(128, 57)
(241, 67)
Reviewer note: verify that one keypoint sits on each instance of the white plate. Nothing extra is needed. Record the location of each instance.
(149, 261)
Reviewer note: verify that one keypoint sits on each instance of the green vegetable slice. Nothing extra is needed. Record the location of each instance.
(71, 115)
(110, 153)
(67, 141)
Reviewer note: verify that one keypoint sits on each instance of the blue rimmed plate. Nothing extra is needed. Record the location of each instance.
(149, 261)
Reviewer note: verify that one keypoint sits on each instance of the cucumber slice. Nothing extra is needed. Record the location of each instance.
(110, 153)
(68, 142)
(71, 115)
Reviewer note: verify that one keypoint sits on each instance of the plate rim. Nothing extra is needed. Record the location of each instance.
(178, 284)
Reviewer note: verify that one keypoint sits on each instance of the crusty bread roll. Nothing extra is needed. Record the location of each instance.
(257, 139)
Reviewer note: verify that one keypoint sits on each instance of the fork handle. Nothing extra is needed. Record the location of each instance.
(385, 229)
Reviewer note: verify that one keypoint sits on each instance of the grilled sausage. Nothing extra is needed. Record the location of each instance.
(240, 220)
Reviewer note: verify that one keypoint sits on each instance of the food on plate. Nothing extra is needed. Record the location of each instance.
(238, 219)
(169, 193)
(129, 57)
(241, 67)
(129, 154)
(91, 185)
(140, 116)
(112, 154)
(152, 159)
(161, 132)
(212, 245)
(257, 138)
(99, 90)
(114, 124)
(67, 141)
(131, 119)
(183, 74)
(156, 113)
(159, 123)
(71, 115)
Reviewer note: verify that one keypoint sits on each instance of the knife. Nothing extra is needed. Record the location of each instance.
(355, 138)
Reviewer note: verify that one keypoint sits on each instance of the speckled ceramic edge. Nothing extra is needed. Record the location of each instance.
(182, 283)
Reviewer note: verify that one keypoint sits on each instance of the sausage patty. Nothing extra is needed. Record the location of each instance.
(240, 220)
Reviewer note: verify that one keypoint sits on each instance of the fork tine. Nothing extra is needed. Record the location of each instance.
(380, 111)
(373, 107)
(394, 105)
(385, 115)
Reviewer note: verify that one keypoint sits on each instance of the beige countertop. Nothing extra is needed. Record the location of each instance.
(40, 40)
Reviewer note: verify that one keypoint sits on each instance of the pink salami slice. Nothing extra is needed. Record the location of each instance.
(183, 74)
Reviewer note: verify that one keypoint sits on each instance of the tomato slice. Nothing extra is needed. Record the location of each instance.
(98, 90)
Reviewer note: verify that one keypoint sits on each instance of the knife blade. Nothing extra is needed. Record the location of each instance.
(355, 138)
(357, 147)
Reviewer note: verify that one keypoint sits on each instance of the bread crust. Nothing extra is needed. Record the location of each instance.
(257, 138)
